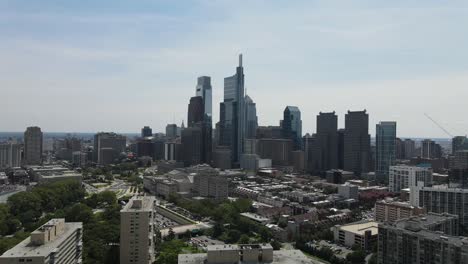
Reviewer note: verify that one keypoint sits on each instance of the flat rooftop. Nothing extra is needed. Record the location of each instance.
(279, 257)
(361, 227)
(26, 249)
(140, 204)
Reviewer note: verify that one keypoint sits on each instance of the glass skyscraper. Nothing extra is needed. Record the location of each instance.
(232, 113)
(292, 125)
(385, 149)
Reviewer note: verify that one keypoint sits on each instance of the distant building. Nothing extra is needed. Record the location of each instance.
(10, 155)
(137, 231)
(33, 146)
(427, 239)
(192, 140)
(278, 150)
(204, 90)
(222, 158)
(459, 143)
(196, 111)
(56, 241)
(292, 126)
(208, 183)
(269, 132)
(430, 149)
(390, 210)
(172, 131)
(402, 177)
(348, 191)
(410, 148)
(232, 114)
(146, 132)
(326, 150)
(108, 146)
(385, 149)
(251, 118)
(356, 149)
(460, 159)
(339, 176)
(363, 234)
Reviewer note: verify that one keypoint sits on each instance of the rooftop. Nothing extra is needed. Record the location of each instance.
(360, 228)
(140, 204)
(27, 249)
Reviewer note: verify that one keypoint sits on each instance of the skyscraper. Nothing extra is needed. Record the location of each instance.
(204, 90)
(251, 118)
(33, 146)
(195, 111)
(430, 149)
(292, 126)
(356, 152)
(385, 149)
(410, 148)
(232, 114)
(459, 143)
(192, 141)
(107, 147)
(171, 131)
(326, 150)
(146, 131)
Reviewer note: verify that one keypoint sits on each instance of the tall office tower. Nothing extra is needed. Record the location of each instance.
(10, 155)
(430, 149)
(429, 238)
(269, 132)
(204, 90)
(292, 126)
(341, 133)
(192, 141)
(356, 156)
(54, 242)
(33, 146)
(385, 149)
(402, 177)
(399, 148)
(137, 231)
(108, 146)
(171, 131)
(460, 160)
(310, 145)
(195, 111)
(410, 148)
(232, 114)
(146, 131)
(251, 118)
(278, 150)
(459, 143)
(326, 153)
(65, 147)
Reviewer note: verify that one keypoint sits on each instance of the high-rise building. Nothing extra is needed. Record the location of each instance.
(356, 147)
(459, 143)
(146, 131)
(292, 126)
(251, 118)
(172, 131)
(204, 90)
(137, 231)
(442, 199)
(460, 159)
(10, 155)
(232, 114)
(56, 241)
(430, 149)
(385, 149)
(326, 151)
(108, 146)
(426, 239)
(196, 112)
(33, 146)
(278, 150)
(192, 141)
(410, 148)
(402, 177)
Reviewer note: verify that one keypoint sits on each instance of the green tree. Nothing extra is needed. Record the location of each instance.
(244, 239)
(356, 257)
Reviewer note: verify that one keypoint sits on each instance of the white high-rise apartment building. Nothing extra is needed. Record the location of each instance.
(402, 177)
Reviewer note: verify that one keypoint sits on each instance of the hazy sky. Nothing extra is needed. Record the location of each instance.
(85, 66)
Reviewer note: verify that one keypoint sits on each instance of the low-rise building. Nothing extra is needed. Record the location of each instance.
(253, 254)
(363, 234)
(348, 191)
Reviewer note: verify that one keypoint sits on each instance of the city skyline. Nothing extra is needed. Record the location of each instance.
(330, 56)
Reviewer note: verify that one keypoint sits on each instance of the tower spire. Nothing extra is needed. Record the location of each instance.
(240, 60)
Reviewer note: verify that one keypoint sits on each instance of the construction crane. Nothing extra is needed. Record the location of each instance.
(438, 125)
